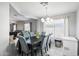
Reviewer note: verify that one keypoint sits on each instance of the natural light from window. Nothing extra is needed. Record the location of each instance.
(56, 27)
(27, 26)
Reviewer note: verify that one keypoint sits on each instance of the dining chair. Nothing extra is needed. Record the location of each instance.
(26, 35)
(43, 45)
(32, 34)
(43, 33)
(24, 46)
(48, 42)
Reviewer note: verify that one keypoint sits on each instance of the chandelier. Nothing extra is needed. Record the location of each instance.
(46, 18)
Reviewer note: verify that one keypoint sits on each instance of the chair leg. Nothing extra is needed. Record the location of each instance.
(50, 44)
(45, 50)
(41, 53)
(35, 52)
(27, 54)
(22, 53)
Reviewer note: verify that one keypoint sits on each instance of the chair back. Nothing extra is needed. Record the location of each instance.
(44, 42)
(42, 36)
(26, 35)
(42, 39)
(43, 33)
(48, 41)
(24, 46)
(32, 34)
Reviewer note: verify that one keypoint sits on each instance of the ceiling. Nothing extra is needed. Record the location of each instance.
(29, 10)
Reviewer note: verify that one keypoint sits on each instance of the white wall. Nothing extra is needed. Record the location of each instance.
(39, 26)
(34, 26)
(4, 27)
(77, 28)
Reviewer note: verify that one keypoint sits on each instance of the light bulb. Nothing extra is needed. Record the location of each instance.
(51, 20)
(47, 19)
(42, 19)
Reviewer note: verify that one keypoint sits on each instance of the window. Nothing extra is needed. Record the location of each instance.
(27, 26)
(14, 27)
(57, 27)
